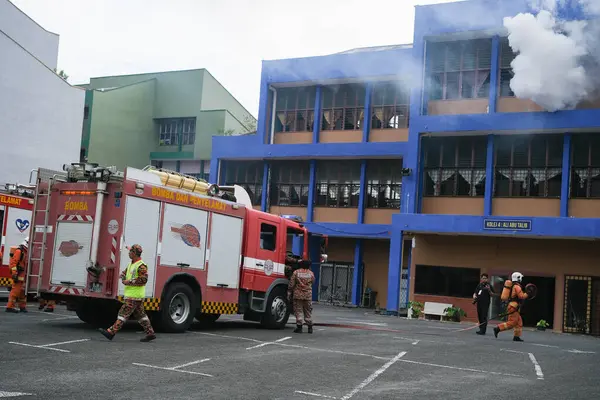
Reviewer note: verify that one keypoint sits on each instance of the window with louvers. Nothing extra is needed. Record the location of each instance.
(384, 183)
(389, 106)
(454, 166)
(585, 166)
(289, 183)
(343, 107)
(338, 183)
(295, 109)
(506, 72)
(528, 166)
(247, 174)
(459, 69)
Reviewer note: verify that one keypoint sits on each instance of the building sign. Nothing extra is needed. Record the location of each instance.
(507, 224)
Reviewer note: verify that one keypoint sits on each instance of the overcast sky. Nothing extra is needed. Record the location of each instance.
(230, 38)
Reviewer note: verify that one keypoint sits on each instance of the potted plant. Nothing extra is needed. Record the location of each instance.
(455, 313)
(415, 308)
(542, 325)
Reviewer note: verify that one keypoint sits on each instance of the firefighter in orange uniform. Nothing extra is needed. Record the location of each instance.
(300, 286)
(514, 294)
(18, 265)
(49, 304)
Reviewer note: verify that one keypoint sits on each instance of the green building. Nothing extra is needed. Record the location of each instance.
(165, 119)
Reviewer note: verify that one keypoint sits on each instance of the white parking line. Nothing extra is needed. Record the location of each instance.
(50, 345)
(315, 394)
(459, 368)
(513, 351)
(39, 347)
(60, 318)
(374, 375)
(191, 363)
(172, 369)
(293, 345)
(544, 345)
(268, 343)
(538, 369)
(14, 394)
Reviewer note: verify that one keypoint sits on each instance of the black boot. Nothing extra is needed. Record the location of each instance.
(148, 338)
(310, 329)
(517, 339)
(496, 331)
(12, 310)
(480, 333)
(107, 334)
(298, 329)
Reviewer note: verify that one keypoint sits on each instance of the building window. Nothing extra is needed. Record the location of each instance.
(528, 166)
(289, 183)
(460, 69)
(169, 130)
(247, 174)
(384, 183)
(268, 237)
(506, 72)
(343, 107)
(390, 105)
(338, 183)
(446, 281)
(86, 112)
(454, 166)
(585, 166)
(295, 109)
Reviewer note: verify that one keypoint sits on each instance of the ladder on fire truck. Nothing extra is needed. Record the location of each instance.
(45, 178)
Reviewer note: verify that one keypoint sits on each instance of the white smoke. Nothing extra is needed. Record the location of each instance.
(557, 62)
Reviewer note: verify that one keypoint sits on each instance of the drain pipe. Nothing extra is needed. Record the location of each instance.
(273, 114)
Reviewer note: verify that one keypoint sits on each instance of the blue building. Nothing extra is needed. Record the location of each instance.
(426, 171)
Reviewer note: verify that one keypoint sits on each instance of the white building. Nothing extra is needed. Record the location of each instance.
(41, 115)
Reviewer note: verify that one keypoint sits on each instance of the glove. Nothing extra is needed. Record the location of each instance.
(15, 278)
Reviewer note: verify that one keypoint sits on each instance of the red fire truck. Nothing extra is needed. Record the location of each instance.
(16, 205)
(208, 251)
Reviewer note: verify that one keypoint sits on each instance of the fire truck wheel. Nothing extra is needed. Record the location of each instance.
(277, 312)
(178, 308)
(207, 319)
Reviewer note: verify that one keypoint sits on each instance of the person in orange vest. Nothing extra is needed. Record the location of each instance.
(18, 265)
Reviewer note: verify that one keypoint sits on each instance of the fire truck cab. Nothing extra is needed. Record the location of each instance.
(208, 251)
(16, 205)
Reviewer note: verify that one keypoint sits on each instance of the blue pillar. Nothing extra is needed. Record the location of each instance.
(394, 270)
(489, 177)
(311, 190)
(367, 112)
(262, 127)
(317, 124)
(566, 176)
(421, 171)
(178, 166)
(494, 74)
(265, 186)
(213, 175)
(363, 191)
(202, 169)
(315, 255)
(357, 275)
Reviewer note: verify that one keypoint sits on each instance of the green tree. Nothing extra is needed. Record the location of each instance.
(249, 128)
(62, 74)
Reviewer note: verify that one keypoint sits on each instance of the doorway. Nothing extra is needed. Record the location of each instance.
(541, 307)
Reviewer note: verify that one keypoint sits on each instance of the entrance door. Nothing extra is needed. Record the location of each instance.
(578, 294)
(595, 326)
(335, 282)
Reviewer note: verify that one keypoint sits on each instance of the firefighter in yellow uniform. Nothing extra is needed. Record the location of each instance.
(134, 278)
(18, 265)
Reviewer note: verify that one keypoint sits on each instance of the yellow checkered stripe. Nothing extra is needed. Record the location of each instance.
(5, 282)
(217, 307)
(150, 304)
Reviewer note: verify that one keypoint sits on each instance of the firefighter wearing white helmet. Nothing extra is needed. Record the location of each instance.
(513, 294)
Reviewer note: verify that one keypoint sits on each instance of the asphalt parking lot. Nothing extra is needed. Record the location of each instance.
(364, 356)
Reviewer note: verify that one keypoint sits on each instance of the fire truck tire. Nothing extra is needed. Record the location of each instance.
(98, 317)
(277, 311)
(207, 319)
(177, 309)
